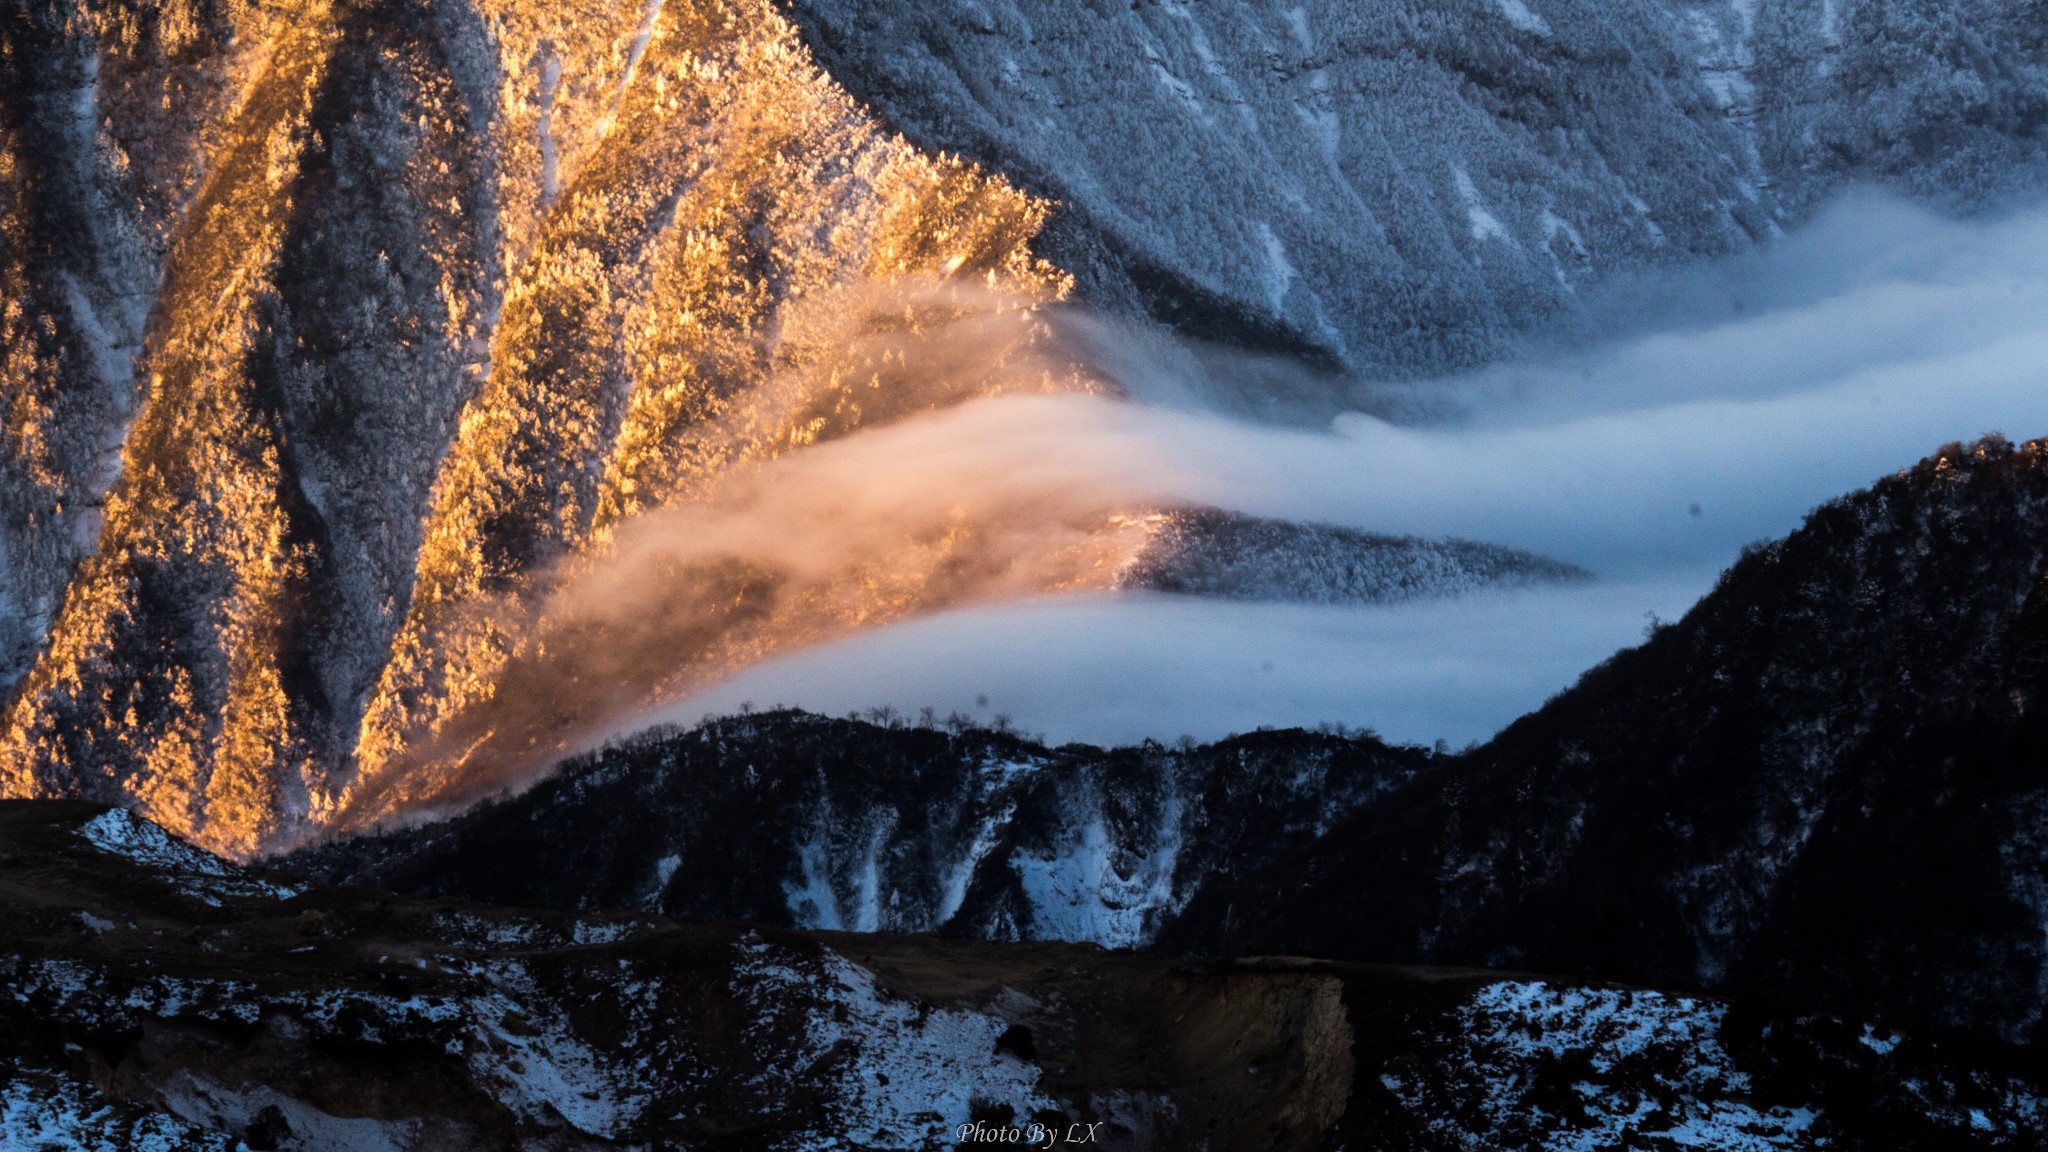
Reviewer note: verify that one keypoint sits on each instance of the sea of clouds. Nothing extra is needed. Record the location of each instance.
(1718, 408)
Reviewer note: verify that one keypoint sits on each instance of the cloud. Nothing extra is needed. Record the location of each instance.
(1122, 668)
(1649, 457)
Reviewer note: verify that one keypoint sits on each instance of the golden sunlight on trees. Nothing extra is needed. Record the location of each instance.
(604, 258)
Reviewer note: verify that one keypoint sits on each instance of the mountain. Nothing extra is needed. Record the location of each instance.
(1821, 787)
(1209, 552)
(811, 822)
(154, 996)
(343, 336)
(1408, 187)
(405, 328)
(397, 394)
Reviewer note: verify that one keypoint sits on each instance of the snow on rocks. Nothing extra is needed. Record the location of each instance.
(1519, 1038)
(906, 1074)
(536, 1063)
(1092, 889)
(200, 874)
(46, 1111)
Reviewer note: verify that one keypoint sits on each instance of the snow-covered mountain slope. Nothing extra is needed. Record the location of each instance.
(1405, 187)
(143, 1013)
(104, 124)
(1944, 99)
(1207, 552)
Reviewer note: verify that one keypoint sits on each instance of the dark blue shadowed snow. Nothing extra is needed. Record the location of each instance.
(1857, 348)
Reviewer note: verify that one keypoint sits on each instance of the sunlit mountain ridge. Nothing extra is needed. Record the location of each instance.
(342, 338)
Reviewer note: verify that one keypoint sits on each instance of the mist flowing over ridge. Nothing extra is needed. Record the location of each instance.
(1725, 402)
(1820, 787)
(418, 336)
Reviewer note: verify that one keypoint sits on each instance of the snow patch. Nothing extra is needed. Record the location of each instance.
(45, 1111)
(812, 904)
(604, 931)
(534, 1061)
(469, 929)
(954, 893)
(1081, 894)
(225, 1108)
(638, 48)
(1297, 23)
(1642, 210)
(1511, 1032)
(1555, 227)
(1484, 224)
(867, 884)
(1002, 773)
(1522, 16)
(206, 877)
(906, 1074)
(550, 148)
(1279, 273)
(665, 870)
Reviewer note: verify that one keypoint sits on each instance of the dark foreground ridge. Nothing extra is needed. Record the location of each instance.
(153, 997)
(812, 822)
(1823, 786)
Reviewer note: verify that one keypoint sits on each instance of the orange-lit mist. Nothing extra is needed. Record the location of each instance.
(946, 451)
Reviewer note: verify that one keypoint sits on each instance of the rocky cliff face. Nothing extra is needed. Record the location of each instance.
(339, 332)
(1822, 787)
(154, 997)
